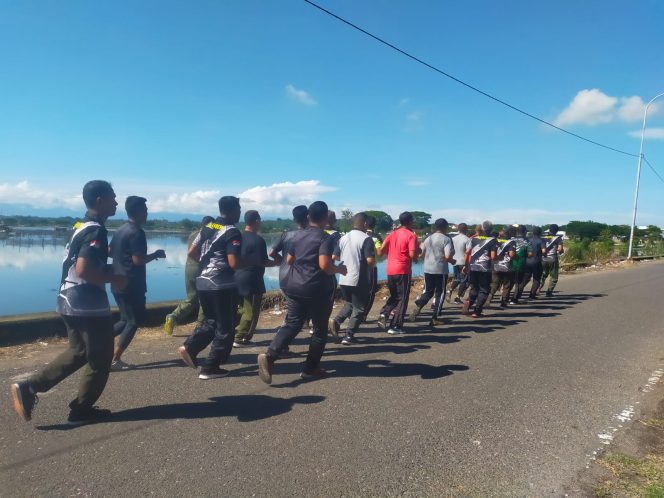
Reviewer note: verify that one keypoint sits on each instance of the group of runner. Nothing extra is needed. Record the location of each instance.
(224, 274)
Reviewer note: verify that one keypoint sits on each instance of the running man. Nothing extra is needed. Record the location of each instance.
(438, 253)
(249, 278)
(189, 306)
(280, 250)
(503, 273)
(377, 241)
(462, 245)
(356, 251)
(479, 260)
(129, 250)
(533, 267)
(402, 251)
(218, 248)
(309, 287)
(550, 262)
(83, 304)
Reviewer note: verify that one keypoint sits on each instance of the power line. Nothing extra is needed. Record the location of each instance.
(653, 169)
(467, 85)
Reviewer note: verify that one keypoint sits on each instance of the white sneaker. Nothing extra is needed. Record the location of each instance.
(396, 331)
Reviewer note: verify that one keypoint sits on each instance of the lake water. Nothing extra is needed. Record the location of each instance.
(31, 263)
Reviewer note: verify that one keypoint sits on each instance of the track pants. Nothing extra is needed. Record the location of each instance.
(480, 283)
(356, 300)
(434, 285)
(550, 268)
(534, 272)
(397, 304)
(132, 315)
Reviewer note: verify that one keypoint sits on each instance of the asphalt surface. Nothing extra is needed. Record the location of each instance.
(508, 405)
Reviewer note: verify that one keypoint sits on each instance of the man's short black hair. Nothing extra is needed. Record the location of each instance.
(537, 231)
(331, 218)
(462, 227)
(93, 190)
(360, 219)
(371, 222)
(134, 205)
(206, 220)
(405, 218)
(300, 214)
(553, 229)
(251, 217)
(228, 203)
(511, 232)
(441, 224)
(523, 230)
(318, 212)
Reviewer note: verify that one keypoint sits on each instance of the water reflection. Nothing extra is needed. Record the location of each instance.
(30, 265)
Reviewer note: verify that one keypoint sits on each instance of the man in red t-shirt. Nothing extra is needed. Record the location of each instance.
(402, 250)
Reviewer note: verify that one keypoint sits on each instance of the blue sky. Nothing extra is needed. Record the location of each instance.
(275, 101)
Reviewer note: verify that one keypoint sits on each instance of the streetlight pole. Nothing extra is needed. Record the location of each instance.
(638, 175)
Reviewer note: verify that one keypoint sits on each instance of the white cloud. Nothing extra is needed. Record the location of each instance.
(24, 193)
(650, 133)
(593, 107)
(280, 198)
(404, 101)
(197, 202)
(301, 96)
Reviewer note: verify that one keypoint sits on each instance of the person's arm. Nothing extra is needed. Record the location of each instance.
(88, 265)
(384, 247)
(234, 249)
(493, 254)
(413, 249)
(369, 252)
(449, 253)
(326, 264)
(561, 248)
(267, 262)
(147, 258)
(277, 250)
(194, 251)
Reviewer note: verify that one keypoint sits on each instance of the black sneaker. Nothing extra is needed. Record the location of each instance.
(88, 415)
(415, 312)
(347, 340)
(549, 293)
(265, 364)
(457, 300)
(208, 373)
(24, 399)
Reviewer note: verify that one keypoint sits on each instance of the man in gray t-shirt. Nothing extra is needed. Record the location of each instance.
(438, 253)
(462, 245)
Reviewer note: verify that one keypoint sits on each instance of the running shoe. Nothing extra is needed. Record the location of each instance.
(88, 415)
(549, 293)
(119, 365)
(396, 331)
(334, 327)
(317, 373)
(382, 321)
(24, 399)
(477, 315)
(169, 324)
(435, 322)
(414, 313)
(186, 357)
(457, 300)
(265, 364)
(208, 373)
(347, 340)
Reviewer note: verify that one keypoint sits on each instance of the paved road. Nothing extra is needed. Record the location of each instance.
(509, 405)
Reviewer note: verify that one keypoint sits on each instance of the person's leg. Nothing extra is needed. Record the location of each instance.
(392, 300)
(403, 291)
(508, 279)
(537, 275)
(246, 310)
(256, 305)
(441, 289)
(359, 299)
(347, 309)
(190, 305)
(134, 315)
(225, 309)
(97, 334)
(473, 281)
(430, 288)
(546, 270)
(295, 317)
(527, 275)
(463, 285)
(372, 289)
(67, 362)
(484, 285)
(123, 305)
(554, 272)
(203, 333)
(319, 311)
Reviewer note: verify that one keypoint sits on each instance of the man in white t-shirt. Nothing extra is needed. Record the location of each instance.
(356, 251)
(438, 252)
(462, 245)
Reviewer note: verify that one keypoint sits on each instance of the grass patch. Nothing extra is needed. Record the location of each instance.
(632, 477)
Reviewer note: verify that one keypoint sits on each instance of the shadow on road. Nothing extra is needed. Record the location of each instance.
(246, 408)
